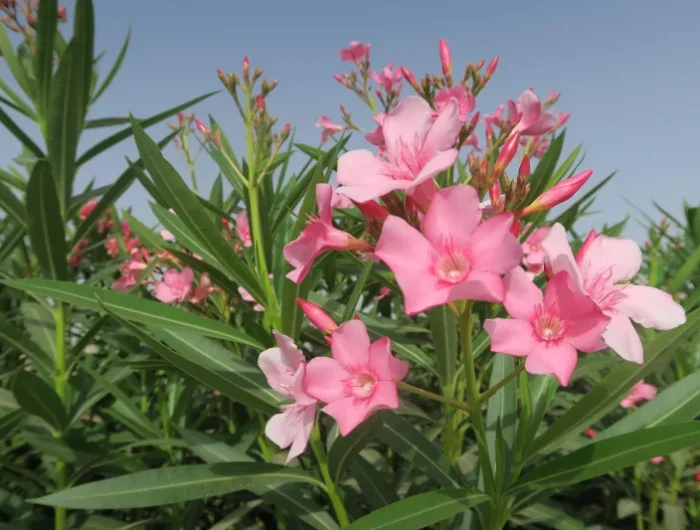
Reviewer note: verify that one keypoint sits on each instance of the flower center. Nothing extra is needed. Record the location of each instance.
(549, 327)
(452, 267)
(362, 385)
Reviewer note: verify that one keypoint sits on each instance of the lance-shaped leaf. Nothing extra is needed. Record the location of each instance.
(13, 206)
(36, 397)
(346, 448)
(115, 68)
(18, 133)
(47, 19)
(10, 57)
(46, 230)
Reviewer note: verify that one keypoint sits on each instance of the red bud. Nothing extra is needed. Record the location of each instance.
(591, 433)
(260, 100)
(317, 316)
(475, 120)
(524, 169)
(372, 210)
(492, 67)
(445, 58)
(561, 192)
(507, 153)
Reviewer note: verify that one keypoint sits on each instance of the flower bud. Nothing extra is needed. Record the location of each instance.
(492, 67)
(559, 193)
(445, 58)
(260, 102)
(317, 316)
(590, 433)
(372, 210)
(62, 14)
(475, 120)
(495, 196)
(524, 169)
(246, 69)
(696, 476)
(284, 133)
(31, 20)
(515, 227)
(181, 118)
(507, 153)
(479, 65)
(553, 97)
(411, 79)
(202, 128)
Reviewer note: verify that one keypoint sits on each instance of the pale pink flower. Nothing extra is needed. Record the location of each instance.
(285, 369)
(534, 121)
(328, 128)
(639, 393)
(534, 253)
(387, 77)
(465, 101)
(599, 267)
(355, 51)
(358, 380)
(243, 228)
(318, 237)
(473, 140)
(176, 286)
(656, 459)
(341, 202)
(418, 147)
(456, 257)
(87, 209)
(546, 329)
(245, 295)
(167, 235)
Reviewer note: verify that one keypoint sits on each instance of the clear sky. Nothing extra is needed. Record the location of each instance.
(627, 70)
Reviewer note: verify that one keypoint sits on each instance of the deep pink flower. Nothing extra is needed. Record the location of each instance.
(418, 147)
(355, 51)
(203, 289)
(87, 209)
(285, 370)
(243, 228)
(130, 270)
(560, 192)
(358, 380)
(546, 329)
(599, 266)
(317, 316)
(328, 128)
(534, 253)
(318, 237)
(112, 247)
(465, 100)
(176, 286)
(533, 120)
(456, 257)
(639, 393)
(387, 77)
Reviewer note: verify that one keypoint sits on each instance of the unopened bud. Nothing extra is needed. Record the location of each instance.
(445, 58)
(317, 316)
(284, 133)
(515, 227)
(31, 20)
(62, 14)
(256, 75)
(507, 153)
(591, 433)
(553, 97)
(411, 79)
(246, 69)
(202, 128)
(475, 120)
(495, 197)
(260, 102)
(372, 210)
(524, 169)
(181, 118)
(559, 193)
(491, 67)
(548, 271)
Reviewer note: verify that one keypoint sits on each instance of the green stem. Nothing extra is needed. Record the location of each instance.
(654, 508)
(190, 162)
(638, 497)
(60, 377)
(503, 382)
(435, 397)
(333, 494)
(472, 389)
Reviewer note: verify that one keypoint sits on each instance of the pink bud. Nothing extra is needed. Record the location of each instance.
(515, 228)
(445, 58)
(62, 13)
(561, 192)
(507, 153)
(495, 197)
(554, 96)
(411, 79)
(590, 433)
(341, 79)
(181, 118)
(524, 169)
(475, 120)
(317, 316)
(372, 210)
(479, 65)
(492, 67)
(202, 128)
(260, 100)
(286, 129)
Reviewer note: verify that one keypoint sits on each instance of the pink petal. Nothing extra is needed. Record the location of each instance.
(279, 366)
(510, 336)
(186, 277)
(453, 215)
(383, 364)
(350, 344)
(443, 134)
(348, 412)
(522, 295)
(385, 396)
(616, 258)
(558, 251)
(559, 360)
(324, 200)
(358, 167)
(164, 293)
(493, 248)
(409, 255)
(304, 422)
(409, 122)
(324, 379)
(280, 429)
(479, 285)
(622, 338)
(437, 164)
(171, 278)
(650, 307)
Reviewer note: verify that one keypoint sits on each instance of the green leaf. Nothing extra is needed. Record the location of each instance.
(678, 403)
(10, 421)
(8, 53)
(115, 68)
(67, 107)
(13, 206)
(211, 450)
(84, 32)
(14, 337)
(540, 178)
(420, 511)
(171, 485)
(18, 133)
(39, 322)
(443, 326)
(46, 230)
(681, 276)
(114, 139)
(401, 436)
(131, 307)
(605, 456)
(372, 485)
(15, 181)
(346, 448)
(502, 410)
(39, 399)
(192, 214)
(17, 103)
(47, 18)
(605, 396)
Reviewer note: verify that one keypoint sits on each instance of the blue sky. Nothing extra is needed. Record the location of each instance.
(626, 70)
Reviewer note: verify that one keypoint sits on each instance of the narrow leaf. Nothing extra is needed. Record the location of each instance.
(36, 397)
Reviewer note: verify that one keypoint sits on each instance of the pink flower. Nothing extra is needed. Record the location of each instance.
(245, 295)
(387, 77)
(243, 228)
(203, 289)
(167, 235)
(639, 393)
(341, 202)
(473, 140)
(533, 121)
(376, 138)
(495, 118)
(600, 264)
(87, 209)
(546, 329)
(355, 51)
(418, 147)
(456, 257)
(532, 248)
(358, 380)
(130, 271)
(464, 98)
(285, 370)
(176, 285)
(656, 459)
(328, 128)
(318, 237)
(112, 247)
(383, 293)
(560, 192)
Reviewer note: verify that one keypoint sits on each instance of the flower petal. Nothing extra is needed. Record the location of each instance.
(348, 412)
(616, 258)
(280, 430)
(559, 360)
(492, 247)
(559, 254)
(437, 164)
(409, 122)
(383, 364)
(350, 344)
(304, 421)
(650, 307)
(479, 285)
(522, 295)
(453, 215)
(443, 134)
(623, 339)
(510, 336)
(324, 379)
